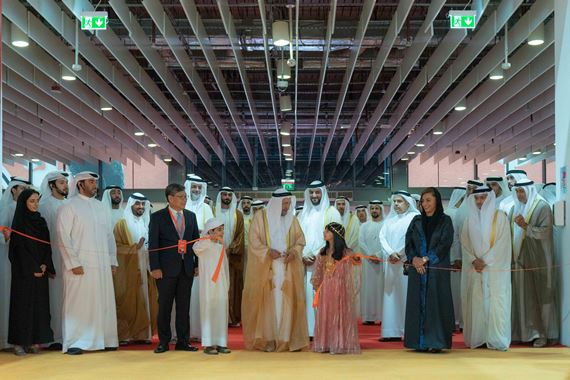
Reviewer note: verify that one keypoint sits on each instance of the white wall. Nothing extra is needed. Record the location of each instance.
(562, 120)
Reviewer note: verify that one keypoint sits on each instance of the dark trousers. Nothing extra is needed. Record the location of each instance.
(171, 289)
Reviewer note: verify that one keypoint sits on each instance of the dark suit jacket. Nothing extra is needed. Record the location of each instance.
(162, 233)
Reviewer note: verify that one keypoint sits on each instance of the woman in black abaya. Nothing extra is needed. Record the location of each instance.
(29, 323)
(429, 306)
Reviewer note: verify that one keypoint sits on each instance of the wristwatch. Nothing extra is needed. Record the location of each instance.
(425, 259)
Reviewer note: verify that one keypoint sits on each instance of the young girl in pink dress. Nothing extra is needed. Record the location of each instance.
(336, 329)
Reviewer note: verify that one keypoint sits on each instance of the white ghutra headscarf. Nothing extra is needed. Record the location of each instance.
(228, 216)
(279, 225)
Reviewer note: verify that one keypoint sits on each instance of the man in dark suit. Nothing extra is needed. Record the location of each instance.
(173, 268)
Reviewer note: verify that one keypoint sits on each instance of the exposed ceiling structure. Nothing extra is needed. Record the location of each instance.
(197, 80)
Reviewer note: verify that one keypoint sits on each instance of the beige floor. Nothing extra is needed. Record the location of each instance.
(519, 364)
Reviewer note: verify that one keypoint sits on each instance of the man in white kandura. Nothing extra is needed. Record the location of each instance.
(393, 244)
(349, 222)
(88, 252)
(54, 190)
(513, 176)
(535, 311)
(486, 281)
(7, 210)
(196, 190)
(372, 289)
(362, 214)
(112, 199)
(317, 213)
(500, 187)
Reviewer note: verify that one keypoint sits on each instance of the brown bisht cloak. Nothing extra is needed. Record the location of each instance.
(132, 316)
(260, 329)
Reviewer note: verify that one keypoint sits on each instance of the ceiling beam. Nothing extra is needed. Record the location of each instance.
(420, 42)
(43, 132)
(468, 54)
(493, 94)
(510, 138)
(436, 61)
(226, 15)
(115, 138)
(367, 9)
(16, 146)
(137, 34)
(527, 146)
(107, 72)
(201, 34)
(326, 51)
(510, 113)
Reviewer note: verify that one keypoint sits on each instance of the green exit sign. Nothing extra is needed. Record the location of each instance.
(463, 19)
(94, 20)
(288, 184)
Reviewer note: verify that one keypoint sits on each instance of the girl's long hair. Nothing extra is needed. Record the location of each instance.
(339, 244)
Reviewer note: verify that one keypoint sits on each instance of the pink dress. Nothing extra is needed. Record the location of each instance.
(336, 321)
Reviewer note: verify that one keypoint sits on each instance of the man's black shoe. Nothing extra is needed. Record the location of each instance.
(110, 348)
(74, 351)
(55, 347)
(161, 348)
(186, 347)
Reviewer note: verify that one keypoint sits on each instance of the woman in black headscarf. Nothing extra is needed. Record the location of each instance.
(29, 323)
(429, 306)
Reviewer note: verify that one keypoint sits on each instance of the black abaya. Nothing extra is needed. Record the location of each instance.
(29, 295)
(429, 306)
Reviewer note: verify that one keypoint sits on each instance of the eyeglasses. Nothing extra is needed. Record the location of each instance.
(181, 196)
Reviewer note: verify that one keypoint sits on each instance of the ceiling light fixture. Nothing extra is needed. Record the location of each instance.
(420, 145)
(536, 37)
(18, 155)
(497, 74)
(18, 37)
(461, 105)
(283, 70)
(536, 152)
(152, 145)
(67, 74)
(285, 103)
(167, 159)
(286, 141)
(105, 105)
(285, 128)
(139, 133)
(35, 160)
(280, 32)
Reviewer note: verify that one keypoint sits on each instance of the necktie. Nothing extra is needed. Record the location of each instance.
(179, 220)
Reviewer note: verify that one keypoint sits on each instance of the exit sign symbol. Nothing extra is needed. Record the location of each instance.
(94, 20)
(462, 19)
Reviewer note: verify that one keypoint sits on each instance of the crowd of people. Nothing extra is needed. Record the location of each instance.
(79, 274)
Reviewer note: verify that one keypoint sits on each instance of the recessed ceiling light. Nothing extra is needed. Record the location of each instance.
(420, 145)
(437, 133)
(167, 159)
(18, 155)
(537, 36)
(19, 38)
(288, 158)
(139, 133)
(35, 160)
(537, 152)
(405, 159)
(152, 145)
(411, 152)
(522, 158)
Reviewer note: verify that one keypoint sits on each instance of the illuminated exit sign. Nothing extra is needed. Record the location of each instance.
(94, 20)
(463, 19)
(288, 184)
